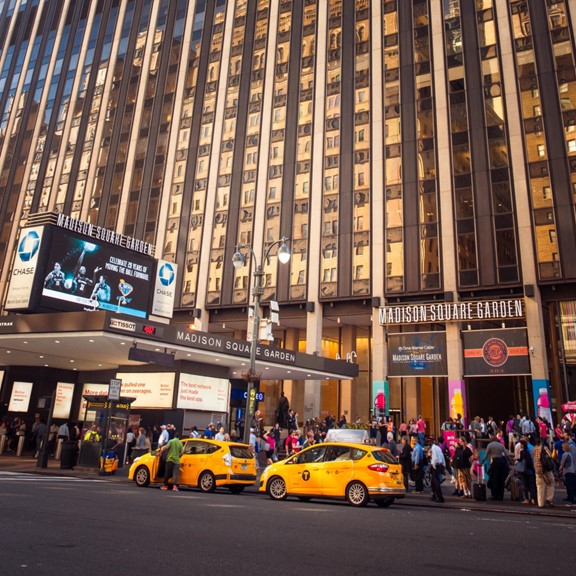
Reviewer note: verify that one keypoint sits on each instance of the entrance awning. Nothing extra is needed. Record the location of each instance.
(94, 341)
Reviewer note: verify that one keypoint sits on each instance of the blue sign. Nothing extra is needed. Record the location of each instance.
(243, 395)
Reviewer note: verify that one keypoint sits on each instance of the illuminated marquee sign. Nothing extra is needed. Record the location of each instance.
(453, 312)
(99, 233)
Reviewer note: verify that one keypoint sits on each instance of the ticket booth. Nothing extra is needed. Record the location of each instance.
(104, 429)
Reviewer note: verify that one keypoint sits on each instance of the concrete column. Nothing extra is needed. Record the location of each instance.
(312, 388)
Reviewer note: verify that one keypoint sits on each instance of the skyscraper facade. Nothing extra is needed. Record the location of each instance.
(420, 155)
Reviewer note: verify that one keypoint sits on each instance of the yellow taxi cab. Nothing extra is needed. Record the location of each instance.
(357, 472)
(206, 464)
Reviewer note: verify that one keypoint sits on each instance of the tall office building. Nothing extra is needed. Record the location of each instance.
(420, 155)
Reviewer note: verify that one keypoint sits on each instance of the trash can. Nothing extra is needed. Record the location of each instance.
(68, 454)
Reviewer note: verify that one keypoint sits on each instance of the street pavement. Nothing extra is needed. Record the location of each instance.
(26, 464)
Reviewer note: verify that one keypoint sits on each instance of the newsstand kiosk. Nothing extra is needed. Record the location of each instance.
(104, 433)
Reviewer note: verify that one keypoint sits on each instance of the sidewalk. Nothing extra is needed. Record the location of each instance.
(27, 464)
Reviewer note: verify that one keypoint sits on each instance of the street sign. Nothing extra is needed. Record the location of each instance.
(114, 389)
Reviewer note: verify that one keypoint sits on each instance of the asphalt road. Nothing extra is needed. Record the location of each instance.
(64, 526)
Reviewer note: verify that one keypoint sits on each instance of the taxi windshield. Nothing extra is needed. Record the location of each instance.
(384, 456)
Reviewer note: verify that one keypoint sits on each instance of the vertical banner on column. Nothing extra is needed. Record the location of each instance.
(542, 402)
(381, 398)
(457, 399)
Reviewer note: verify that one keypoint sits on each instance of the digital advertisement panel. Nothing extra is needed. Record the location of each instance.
(25, 268)
(164, 289)
(151, 389)
(20, 398)
(496, 352)
(203, 393)
(63, 402)
(417, 354)
(87, 274)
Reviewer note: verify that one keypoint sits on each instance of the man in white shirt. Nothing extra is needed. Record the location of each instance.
(164, 436)
(438, 464)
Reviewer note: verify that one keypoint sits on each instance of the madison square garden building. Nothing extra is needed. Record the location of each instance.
(420, 155)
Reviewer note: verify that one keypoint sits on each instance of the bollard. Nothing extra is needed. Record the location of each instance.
(2, 443)
(58, 448)
(21, 440)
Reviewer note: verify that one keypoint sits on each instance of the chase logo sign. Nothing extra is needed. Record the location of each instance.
(28, 246)
(166, 274)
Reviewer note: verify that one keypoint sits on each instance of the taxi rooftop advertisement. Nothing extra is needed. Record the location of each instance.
(73, 272)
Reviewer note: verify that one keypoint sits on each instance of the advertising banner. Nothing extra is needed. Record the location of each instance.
(496, 352)
(2, 372)
(86, 274)
(457, 399)
(90, 390)
(417, 354)
(381, 398)
(20, 398)
(151, 389)
(542, 403)
(24, 270)
(203, 393)
(63, 402)
(164, 289)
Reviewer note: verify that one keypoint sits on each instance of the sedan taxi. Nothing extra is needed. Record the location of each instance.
(355, 472)
(206, 464)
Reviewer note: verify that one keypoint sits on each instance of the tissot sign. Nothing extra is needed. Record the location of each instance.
(512, 309)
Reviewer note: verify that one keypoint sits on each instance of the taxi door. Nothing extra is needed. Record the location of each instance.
(193, 460)
(304, 473)
(338, 470)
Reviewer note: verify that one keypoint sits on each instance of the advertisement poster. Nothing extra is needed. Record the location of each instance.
(86, 274)
(164, 289)
(496, 352)
(203, 393)
(24, 270)
(417, 354)
(542, 403)
(381, 399)
(20, 398)
(63, 402)
(457, 399)
(151, 389)
(2, 372)
(90, 390)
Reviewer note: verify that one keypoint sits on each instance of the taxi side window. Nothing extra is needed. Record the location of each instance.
(357, 453)
(313, 455)
(338, 454)
(200, 448)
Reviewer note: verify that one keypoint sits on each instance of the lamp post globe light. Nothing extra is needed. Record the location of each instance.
(238, 260)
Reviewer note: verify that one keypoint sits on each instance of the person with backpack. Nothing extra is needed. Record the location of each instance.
(461, 462)
(544, 468)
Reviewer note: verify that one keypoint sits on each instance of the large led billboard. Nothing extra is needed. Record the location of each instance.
(87, 274)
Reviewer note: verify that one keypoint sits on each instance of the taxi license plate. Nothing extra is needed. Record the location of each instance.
(244, 466)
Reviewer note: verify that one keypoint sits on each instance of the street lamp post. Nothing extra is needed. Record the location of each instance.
(239, 260)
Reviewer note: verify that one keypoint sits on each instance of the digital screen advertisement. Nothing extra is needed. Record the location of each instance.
(90, 390)
(87, 274)
(203, 393)
(151, 389)
(63, 402)
(417, 354)
(20, 398)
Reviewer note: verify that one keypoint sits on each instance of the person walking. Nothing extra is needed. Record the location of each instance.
(418, 462)
(568, 471)
(438, 463)
(525, 468)
(544, 475)
(173, 452)
(421, 427)
(461, 463)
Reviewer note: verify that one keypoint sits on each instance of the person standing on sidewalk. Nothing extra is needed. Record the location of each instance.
(405, 459)
(421, 427)
(173, 452)
(568, 470)
(418, 467)
(544, 478)
(499, 467)
(438, 463)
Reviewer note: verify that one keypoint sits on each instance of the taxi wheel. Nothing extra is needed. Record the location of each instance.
(357, 494)
(236, 489)
(142, 477)
(277, 488)
(384, 502)
(207, 482)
